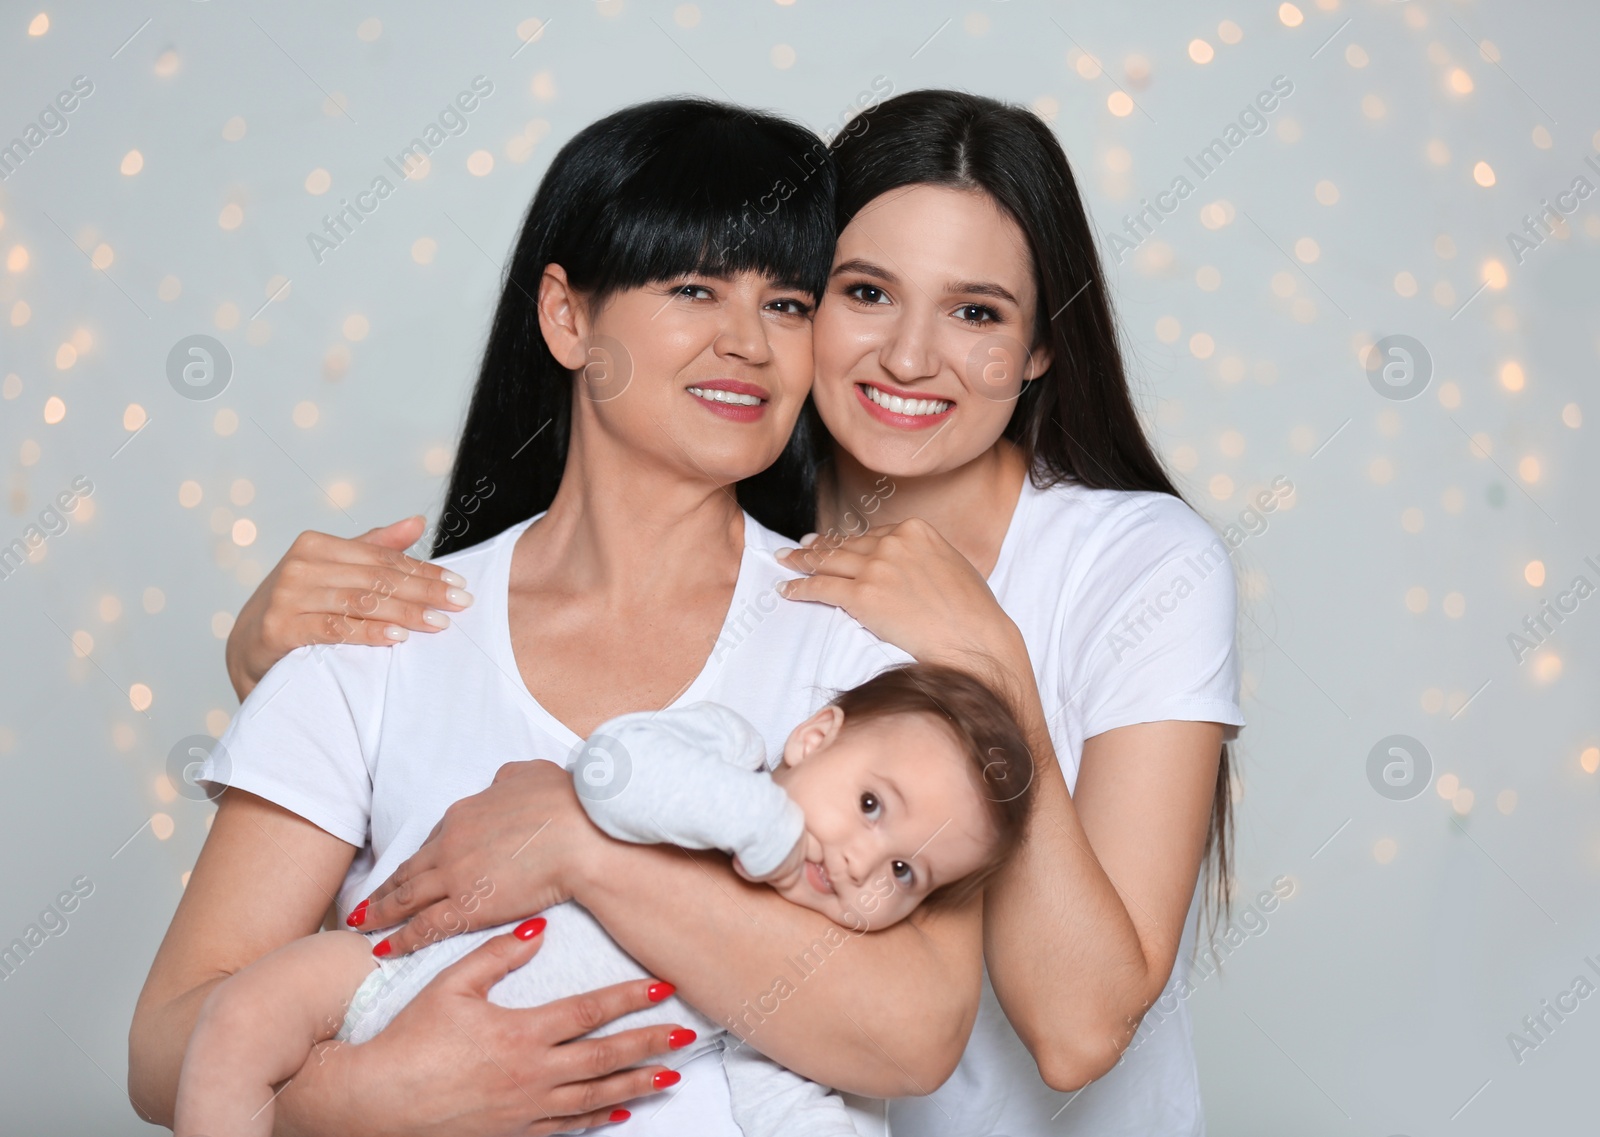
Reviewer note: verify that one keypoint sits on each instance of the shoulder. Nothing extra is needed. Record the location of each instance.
(1098, 538)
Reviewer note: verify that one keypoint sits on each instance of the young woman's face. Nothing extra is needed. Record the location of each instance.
(703, 373)
(923, 338)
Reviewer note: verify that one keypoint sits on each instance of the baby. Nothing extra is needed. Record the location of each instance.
(912, 788)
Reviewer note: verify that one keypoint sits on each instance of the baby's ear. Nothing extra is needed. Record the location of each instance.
(814, 734)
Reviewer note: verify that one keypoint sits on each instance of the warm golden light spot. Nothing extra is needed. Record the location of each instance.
(189, 494)
(1137, 68)
(1208, 278)
(167, 64)
(1590, 759)
(1547, 667)
(1201, 345)
(1432, 700)
(161, 825)
(1327, 192)
(423, 250)
(355, 327)
(975, 24)
(170, 288)
(436, 460)
(231, 217)
(1417, 600)
(20, 313)
(1047, 107)
(39, 24)
(1412, 520)
(342, 494)
(1119, 103)
(140, 697)
(1373, 107)
(12, 387)
(369, 29)
(480, 163)
(1533, 573)
(1185, 458)
(1288, 129)
(54, 409)
(132, 163)
(244, 532)
(225, 422)
(1221, 487)
(1462, 801)
(221, 624)
(1168, 329)
(82, 644)
(1438, 153)
(1229, 32)
(226, 317)
(1291, 16)
(1405, 284)
(1200, 51)
(686, 16)
(543, 86)
(1512, 377)
(783, 56)
(1447, 786)
(530, 29)
(110, 608)
(102, 257)
(28, 452)
(1528, 469)
(1454, 605)
(1307, 250)
(1460, 82)
(1483, 174)
(305, 414)
(1231, 443)
(1572, 415)
(1356, 56)
(17, 258)
(133, 417)
(1444, 294)
(1541, 138)
(1384, 850)
(234, 129)
(153, 600)
(1453, 500)
(318, 181)
(1284, 284)
(1380, 470)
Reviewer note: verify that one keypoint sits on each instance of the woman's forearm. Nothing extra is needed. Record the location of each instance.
(156, 1043)
(884, 1014)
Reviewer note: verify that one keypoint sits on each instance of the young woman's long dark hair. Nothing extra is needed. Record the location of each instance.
(649, 193)
(1076, 422)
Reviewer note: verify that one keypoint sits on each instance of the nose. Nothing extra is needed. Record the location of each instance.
(743, 335)
(909, 353)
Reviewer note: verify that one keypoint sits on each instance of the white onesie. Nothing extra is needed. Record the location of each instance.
(694, 776)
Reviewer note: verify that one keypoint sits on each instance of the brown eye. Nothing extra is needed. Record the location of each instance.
(902, 873)
(870, 804)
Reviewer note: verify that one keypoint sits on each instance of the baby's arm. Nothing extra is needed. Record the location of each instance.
(257, 1028)
(694, 777)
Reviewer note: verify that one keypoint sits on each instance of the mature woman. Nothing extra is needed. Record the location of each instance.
(626, 582)
(986, 497)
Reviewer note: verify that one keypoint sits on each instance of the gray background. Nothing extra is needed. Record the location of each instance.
(1380, 997)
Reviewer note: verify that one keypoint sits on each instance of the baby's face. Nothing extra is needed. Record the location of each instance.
(892, 809)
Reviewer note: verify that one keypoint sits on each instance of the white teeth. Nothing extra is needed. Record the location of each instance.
(716, 396)
(913, 407)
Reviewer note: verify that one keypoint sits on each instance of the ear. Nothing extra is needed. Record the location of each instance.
(563, 318)
(816, 733)
(1039, 360)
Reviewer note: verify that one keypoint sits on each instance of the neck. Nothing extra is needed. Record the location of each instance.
(970, 506)
(631, 528)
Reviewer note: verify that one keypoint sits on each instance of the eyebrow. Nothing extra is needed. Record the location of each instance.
(859, 267)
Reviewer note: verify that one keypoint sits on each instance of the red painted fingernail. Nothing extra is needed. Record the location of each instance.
(358, 914)
(382, 949)
(658, 991)
(666, 1078)
(619, 1115)
(529, 928)
(680, 1038)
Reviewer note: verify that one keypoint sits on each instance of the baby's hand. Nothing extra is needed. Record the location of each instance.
(786, 875)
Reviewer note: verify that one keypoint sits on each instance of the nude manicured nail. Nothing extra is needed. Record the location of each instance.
(658, 991)
(453, 580)
(529, 928)
(680, 1038)
(435, 619)
(808, 540)
(396, 633)
(459, 598)
(666, 1078)
(786, 551)
(358, 914)
(619, 1115)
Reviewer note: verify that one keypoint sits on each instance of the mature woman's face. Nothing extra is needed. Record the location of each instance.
(704, 374)
(922, 340)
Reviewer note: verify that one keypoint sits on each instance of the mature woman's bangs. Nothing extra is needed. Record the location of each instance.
(728, 200)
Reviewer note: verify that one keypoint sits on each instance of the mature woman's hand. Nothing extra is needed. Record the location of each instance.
(909, 586)
(452, 1064)
(495, 856)
(336, 590)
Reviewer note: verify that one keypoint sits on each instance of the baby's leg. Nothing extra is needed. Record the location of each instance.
(257, 1028)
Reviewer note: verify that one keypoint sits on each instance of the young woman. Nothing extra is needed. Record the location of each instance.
(626, 581)
(1008, 515)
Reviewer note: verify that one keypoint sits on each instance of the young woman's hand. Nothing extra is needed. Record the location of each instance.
(336, 590)
(452, 1063)
(909, 586)
(495, 856)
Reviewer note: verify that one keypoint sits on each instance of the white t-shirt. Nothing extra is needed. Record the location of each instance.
(1126, 601)
(372, 746)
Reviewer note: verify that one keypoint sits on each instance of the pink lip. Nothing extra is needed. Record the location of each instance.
(901, 422)
(817, 877)
(728, 410)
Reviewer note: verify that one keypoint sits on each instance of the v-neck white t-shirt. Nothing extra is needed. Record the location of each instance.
(1126, 602)
(373, 745)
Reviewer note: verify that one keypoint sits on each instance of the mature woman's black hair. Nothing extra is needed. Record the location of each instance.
(652, 192)
(1076, 422)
